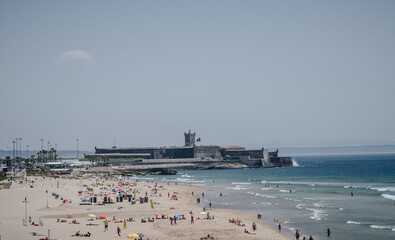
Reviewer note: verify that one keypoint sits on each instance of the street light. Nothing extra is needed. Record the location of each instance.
(20, 147)
(42, 140)
(77, 146)
(56, 150)
(25, 210)
(27, 151)
(13, 149)
(48, 149)
(16, 148)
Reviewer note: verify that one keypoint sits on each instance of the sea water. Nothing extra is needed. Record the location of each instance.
(352, 195)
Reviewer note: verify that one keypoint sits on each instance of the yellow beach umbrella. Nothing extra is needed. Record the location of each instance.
(133, 236)
(92, 215)
(69, 215)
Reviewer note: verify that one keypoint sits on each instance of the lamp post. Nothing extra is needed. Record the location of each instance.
(27, 151)
(16, 148)
(48, 148)
(20, 147)
(25, 210)
(42, 140)
(77, 146)
(13, 149)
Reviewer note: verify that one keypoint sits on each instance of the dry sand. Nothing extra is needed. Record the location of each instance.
(12, 213)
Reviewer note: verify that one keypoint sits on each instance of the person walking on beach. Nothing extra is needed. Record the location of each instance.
(328, 232)
(124, 224)
(297, 235)
(279, 227)
(119, 231)
(105, 226)
(192, 222)
(209, 204)
(253, 226)
(171, 220)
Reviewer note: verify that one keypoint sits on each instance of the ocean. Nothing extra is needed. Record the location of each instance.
(352, 195)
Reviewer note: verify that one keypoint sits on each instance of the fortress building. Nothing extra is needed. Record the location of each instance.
(192, 153)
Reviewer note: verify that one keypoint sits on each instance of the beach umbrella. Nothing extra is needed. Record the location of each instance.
(69, 215)
(54, 194)
(133, 236)
(140, 234)
(164, 214)
(203, 213)
(92, 215)
(102, 217)
(144, 218)
(156, 214)
(106, 194)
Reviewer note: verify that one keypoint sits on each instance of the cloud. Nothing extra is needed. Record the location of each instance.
(77, 56)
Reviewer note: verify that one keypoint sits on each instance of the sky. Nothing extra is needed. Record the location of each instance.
(141, 73)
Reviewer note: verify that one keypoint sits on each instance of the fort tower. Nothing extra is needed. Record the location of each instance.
(189, 139)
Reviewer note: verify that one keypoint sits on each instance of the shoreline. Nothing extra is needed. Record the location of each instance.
(13, 212)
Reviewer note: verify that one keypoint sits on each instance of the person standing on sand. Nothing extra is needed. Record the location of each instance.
(311, 238)
(254, 226)
(279, 227)
(105, 226)
(328, 232)
(297, 235)
(192, 222)
(124, 224)
(119, 231)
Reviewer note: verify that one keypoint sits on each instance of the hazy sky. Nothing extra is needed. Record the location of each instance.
(140, 73)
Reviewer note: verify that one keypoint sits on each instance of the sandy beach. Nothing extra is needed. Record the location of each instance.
(168, 200)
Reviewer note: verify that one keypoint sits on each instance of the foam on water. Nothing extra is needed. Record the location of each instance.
(381, 227)
(300, 206)
(238, 188)
(388, 196)
(295, 163)
(384, 189)
(318, 214)
(352, 222)
(241, 183)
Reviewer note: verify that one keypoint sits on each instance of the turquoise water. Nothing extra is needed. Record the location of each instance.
(312, 197)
